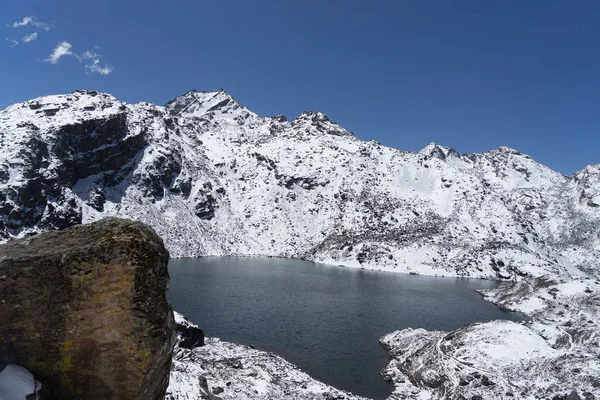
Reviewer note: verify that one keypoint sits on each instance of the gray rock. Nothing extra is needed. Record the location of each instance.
(218, 390)
(573, 396)
(191, 336)
(485, 381)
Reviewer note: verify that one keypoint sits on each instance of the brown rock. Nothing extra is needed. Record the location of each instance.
(85, 310)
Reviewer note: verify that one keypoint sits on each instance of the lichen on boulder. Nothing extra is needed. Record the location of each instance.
(85, 310)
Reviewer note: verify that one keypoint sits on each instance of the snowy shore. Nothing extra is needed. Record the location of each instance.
(555, 354)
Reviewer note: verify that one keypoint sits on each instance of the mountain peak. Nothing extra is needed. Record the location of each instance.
(437, 151)
(51, 110)
(197, 103)
(314, 116)
(588, 170)
(429, 148)
(507, 150)
(318, 122)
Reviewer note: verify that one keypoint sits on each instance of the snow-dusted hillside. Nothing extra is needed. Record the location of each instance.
(212, 177)
(555, 355)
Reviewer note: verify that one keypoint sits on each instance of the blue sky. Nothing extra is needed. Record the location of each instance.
(473, 75)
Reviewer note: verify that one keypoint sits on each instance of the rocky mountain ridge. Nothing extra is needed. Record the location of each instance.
(214, 178)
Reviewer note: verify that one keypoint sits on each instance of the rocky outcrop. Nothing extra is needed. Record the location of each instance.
(190, 336)
(85, 310)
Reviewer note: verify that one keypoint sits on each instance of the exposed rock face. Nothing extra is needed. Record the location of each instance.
(85, 310)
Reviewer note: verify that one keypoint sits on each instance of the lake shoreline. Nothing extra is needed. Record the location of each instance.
(538, 303)
(432, 300)
(549, 355)
(369, 267)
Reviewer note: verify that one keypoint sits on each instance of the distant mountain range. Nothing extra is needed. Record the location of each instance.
(214, 178)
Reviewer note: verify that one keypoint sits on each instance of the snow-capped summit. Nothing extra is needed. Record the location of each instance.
(441, 152)
(213, 177)
(318, 123)
(313, 116)
(588, 172)
(56, 110)
(199, 103)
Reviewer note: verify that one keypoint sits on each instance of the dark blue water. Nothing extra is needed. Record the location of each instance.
(325, 319)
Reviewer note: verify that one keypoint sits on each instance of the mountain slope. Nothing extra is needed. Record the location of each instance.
(212, 178)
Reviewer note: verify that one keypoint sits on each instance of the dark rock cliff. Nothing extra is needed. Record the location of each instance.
(85, 310)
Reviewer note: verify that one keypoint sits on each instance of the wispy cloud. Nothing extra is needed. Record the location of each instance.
(88, 55)
(63, 49)
(30, 38)
(92, 61)
(30, 20)
(95, 67)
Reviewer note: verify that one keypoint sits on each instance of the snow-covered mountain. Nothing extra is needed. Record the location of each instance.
(213, 177)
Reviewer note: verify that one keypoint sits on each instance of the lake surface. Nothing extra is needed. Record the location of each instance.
(325, 319)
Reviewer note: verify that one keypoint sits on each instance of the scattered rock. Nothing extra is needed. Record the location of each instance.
(218, 390)
(573, 396)
(485, 381)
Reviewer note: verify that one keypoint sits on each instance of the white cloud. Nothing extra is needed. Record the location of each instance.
(63, 49)
(26, 21)
(88, 55)
(92, 61)
(31, 20)
(95, 67)
(30, 38)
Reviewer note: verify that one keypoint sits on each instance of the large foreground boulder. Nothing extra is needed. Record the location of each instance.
(85, 310)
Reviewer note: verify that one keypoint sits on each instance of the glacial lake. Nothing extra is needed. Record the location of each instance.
(325, 319)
